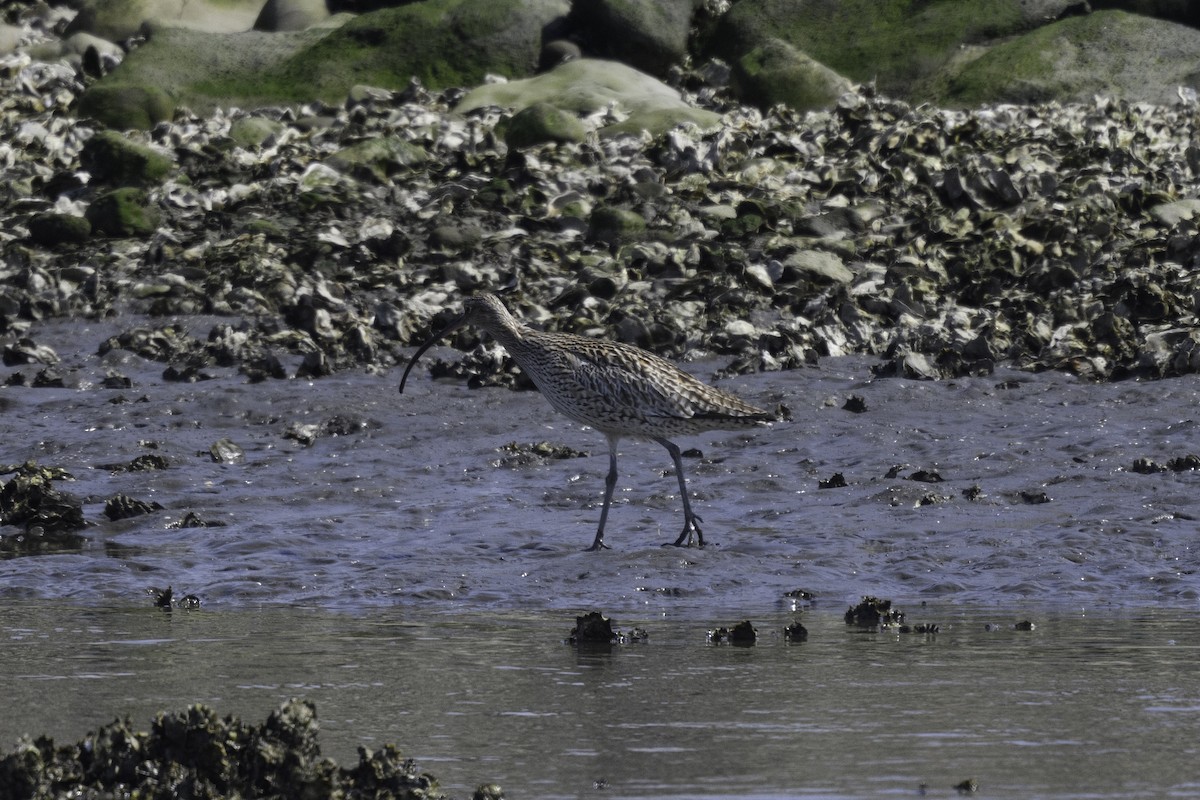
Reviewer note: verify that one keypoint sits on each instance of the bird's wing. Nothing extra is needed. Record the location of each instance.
(634, 380)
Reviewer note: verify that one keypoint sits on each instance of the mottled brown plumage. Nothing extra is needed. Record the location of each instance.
(618, 389)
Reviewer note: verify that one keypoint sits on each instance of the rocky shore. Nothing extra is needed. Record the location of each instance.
(709, 217)
(1048, 237)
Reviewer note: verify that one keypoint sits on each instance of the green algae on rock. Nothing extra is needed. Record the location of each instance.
(114, 158)
(123, 212)
(377, 159)
(892, 43)
(54, 230)
(441, 43)
(125, 106)
(775, 72)
(542, 123)
(1075, 59)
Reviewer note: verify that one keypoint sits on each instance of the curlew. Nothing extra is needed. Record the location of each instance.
(618, 389)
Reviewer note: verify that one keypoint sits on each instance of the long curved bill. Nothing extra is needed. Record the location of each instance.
(449, 329)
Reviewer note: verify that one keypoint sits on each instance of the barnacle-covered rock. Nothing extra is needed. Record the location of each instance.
(198, 753)
(873, 612)
(124, 507)
(944, 242)
(30, 500)
(593, 628)
(743, 634)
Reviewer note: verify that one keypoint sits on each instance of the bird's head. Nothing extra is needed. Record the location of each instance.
(483, 311)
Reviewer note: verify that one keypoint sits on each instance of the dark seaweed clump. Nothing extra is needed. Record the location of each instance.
(195, 754)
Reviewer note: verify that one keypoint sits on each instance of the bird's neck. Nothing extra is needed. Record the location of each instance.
(509, 333)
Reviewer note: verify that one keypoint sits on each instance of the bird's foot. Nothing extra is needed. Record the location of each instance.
(691, 528)
(597, 546)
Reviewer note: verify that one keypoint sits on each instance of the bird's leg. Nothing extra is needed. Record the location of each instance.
(609, 483)
(690, 520)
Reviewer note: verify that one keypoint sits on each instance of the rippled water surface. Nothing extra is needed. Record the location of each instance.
(418, 587)
(1083, 706)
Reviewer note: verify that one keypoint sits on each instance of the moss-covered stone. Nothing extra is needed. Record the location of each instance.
(895, 43)
(112, 158)
(612, 224)
(123, 212)
(377, 159)
(126, 106)
(1074, 59)
(442, 43)
(52, 230)
(203, 70)
(252, 132)
(775, 72)
(541, 123)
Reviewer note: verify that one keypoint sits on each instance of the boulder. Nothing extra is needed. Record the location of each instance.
(377, 159)
(441, 43)
(95, 55)
(112, 158)
(291, 15)
(204, 70)
(588, 86)
(1184, 11)
(541, 123)
(125, 107)
(651, 36)
(775, 72)
(117, 20)
(895, 45)
(123, 212)
(51, 229)
(1110, 53)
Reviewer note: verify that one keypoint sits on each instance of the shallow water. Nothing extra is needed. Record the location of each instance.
(418, 590)
(1080, 707)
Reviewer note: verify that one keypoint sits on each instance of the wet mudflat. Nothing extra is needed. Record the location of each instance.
(1014, 487)
(388, 558)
